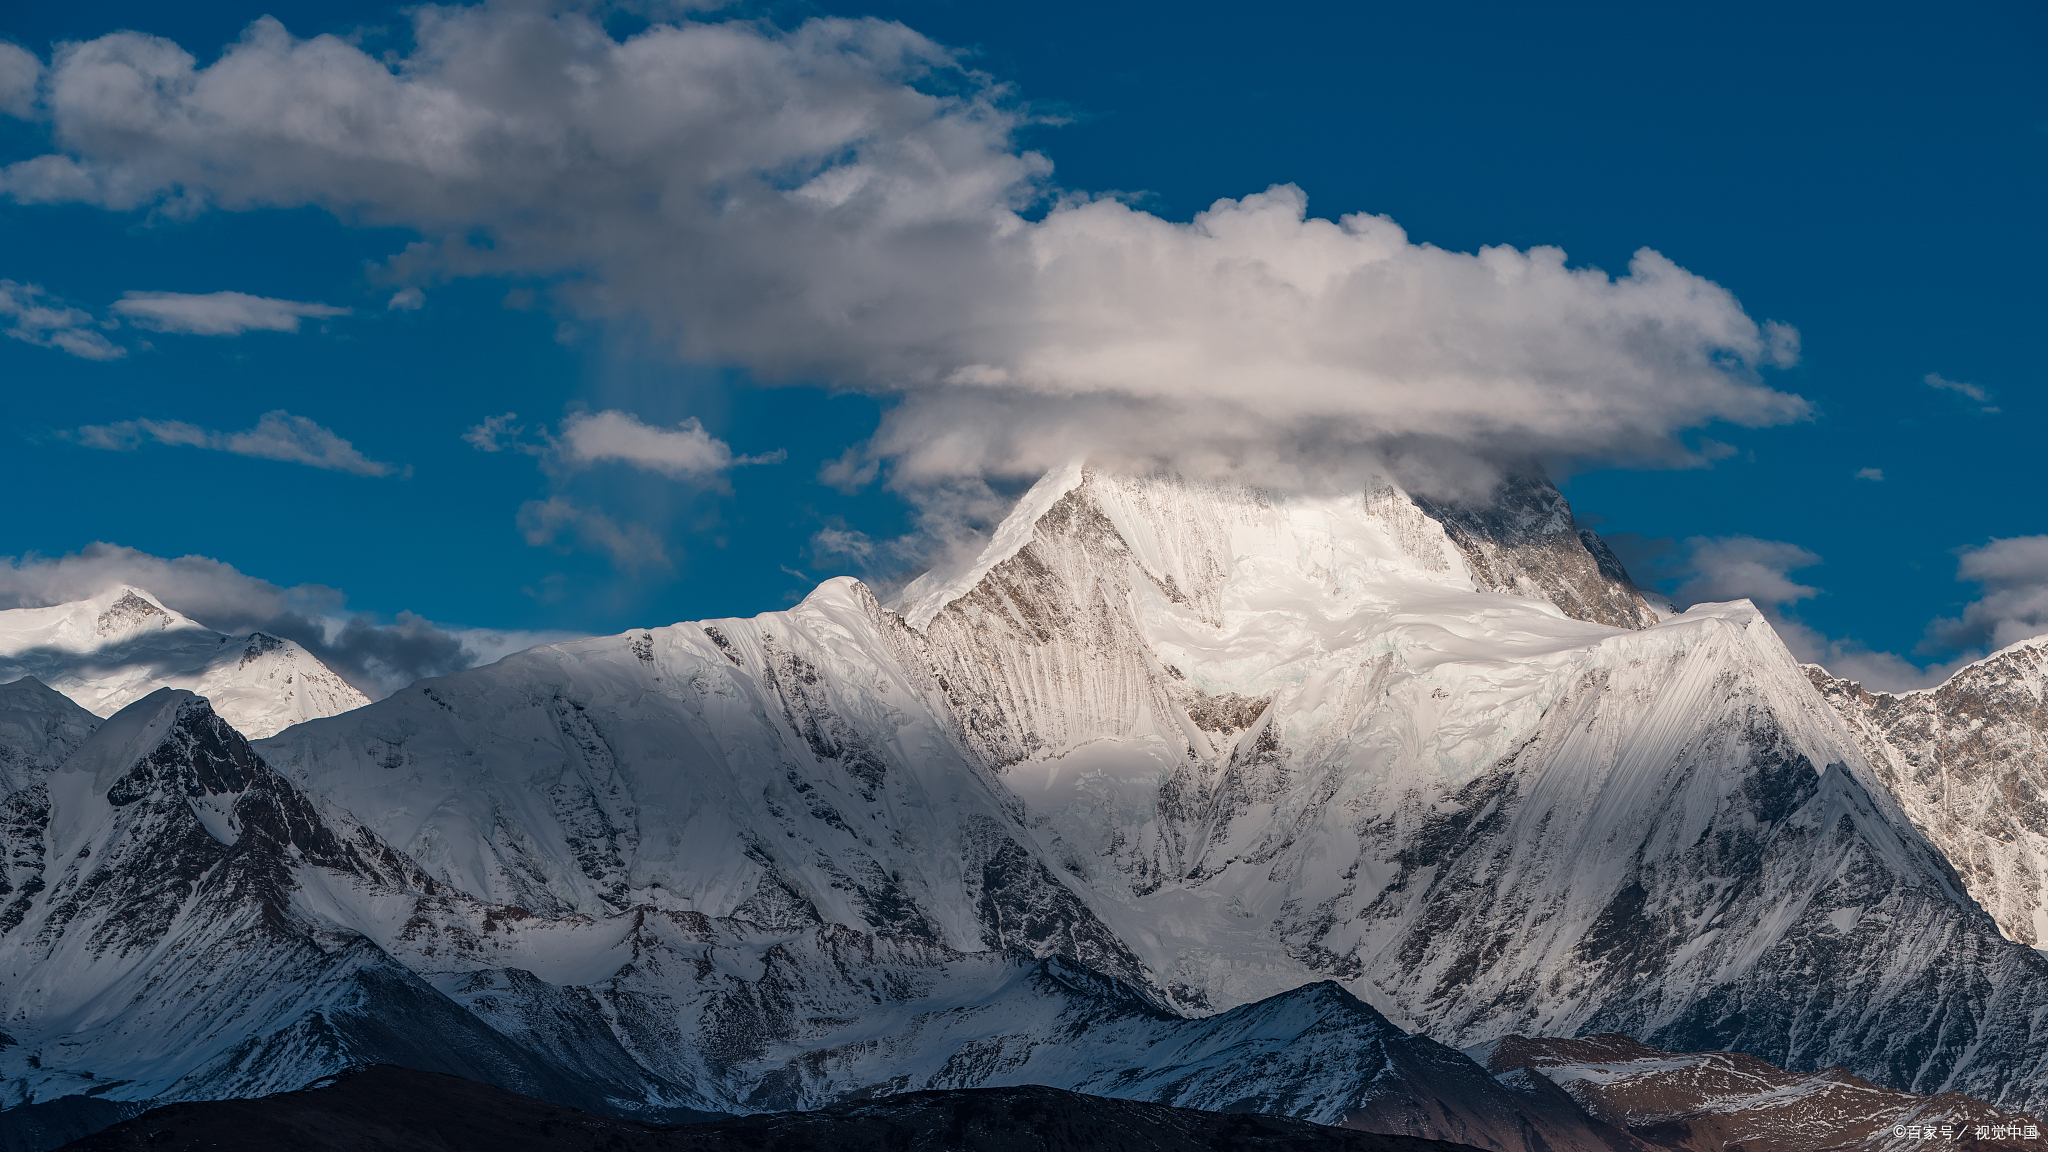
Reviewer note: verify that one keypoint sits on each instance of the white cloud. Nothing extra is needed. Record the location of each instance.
(1974, 392)
(19, 71)
(376, 656)
(1744, 567)
(849, 545)
(407, 300)
(217, 313)
(1724, 568)
(2013, 574)
(685, 451)
(496, 434)
(630, 546)
(277, 435)
(1870, 474)
(804, 205)
(35, 318)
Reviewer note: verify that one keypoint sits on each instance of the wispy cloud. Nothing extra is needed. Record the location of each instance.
(1977, 392)
(552, 521)
(1870, 473)
(498, 433)
(217, 313)
(33, 316)
(277, 435)
(685, 451)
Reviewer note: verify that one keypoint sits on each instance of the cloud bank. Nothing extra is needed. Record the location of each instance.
(278, 435)
(378, 657)
(216, 313)
(845, 203)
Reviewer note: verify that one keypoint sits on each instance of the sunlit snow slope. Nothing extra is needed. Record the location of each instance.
(119, 646)
(1222, 743)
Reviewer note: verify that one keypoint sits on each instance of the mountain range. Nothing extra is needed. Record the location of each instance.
(1180, 792)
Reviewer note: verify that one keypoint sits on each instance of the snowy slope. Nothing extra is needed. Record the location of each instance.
(39, 729)
(1269, 730)
(186, 925)
(119, 646)
(1223, 743)
(1177, 791)
(1968, 761)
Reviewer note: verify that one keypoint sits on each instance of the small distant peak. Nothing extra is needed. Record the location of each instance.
(130, 610)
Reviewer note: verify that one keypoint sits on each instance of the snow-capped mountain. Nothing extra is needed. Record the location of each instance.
(185, 924)
(1222, 743)
(39, 730)
(113, 649)
(1968, 761)
(1179, 791)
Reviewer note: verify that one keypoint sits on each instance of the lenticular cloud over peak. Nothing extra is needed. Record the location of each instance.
(845, 203)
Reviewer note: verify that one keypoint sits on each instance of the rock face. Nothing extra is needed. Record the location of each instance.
(1525, 543)
(115, 648)
(1709, 1101)
(1968, 762)
(1193, 794)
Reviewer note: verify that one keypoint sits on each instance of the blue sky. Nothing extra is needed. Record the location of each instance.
(1868, 176)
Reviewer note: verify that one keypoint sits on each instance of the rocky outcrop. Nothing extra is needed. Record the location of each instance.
(1968, 762)
(1711, 1101)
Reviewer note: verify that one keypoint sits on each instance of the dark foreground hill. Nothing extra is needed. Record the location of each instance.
(390, 1109)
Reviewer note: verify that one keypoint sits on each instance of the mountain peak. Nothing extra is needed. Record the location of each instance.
(116, 647)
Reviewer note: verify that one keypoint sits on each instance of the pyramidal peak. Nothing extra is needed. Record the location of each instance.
(1193, 538)
(116, 647)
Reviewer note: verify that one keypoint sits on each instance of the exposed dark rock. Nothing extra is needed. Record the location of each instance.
(391, 1109)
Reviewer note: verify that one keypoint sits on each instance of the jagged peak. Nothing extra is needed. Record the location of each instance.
(134, 732)
(927, 595)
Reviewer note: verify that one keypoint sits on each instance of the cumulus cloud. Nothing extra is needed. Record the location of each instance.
(845, 203)
(277, 435)
(557, 519)
(19, 71)
(1870, 473)
(216, 313)
(685, 451)
(1720, 568)
(31, 315)
(2013, 574)
(1744, 567)
(376, 656)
